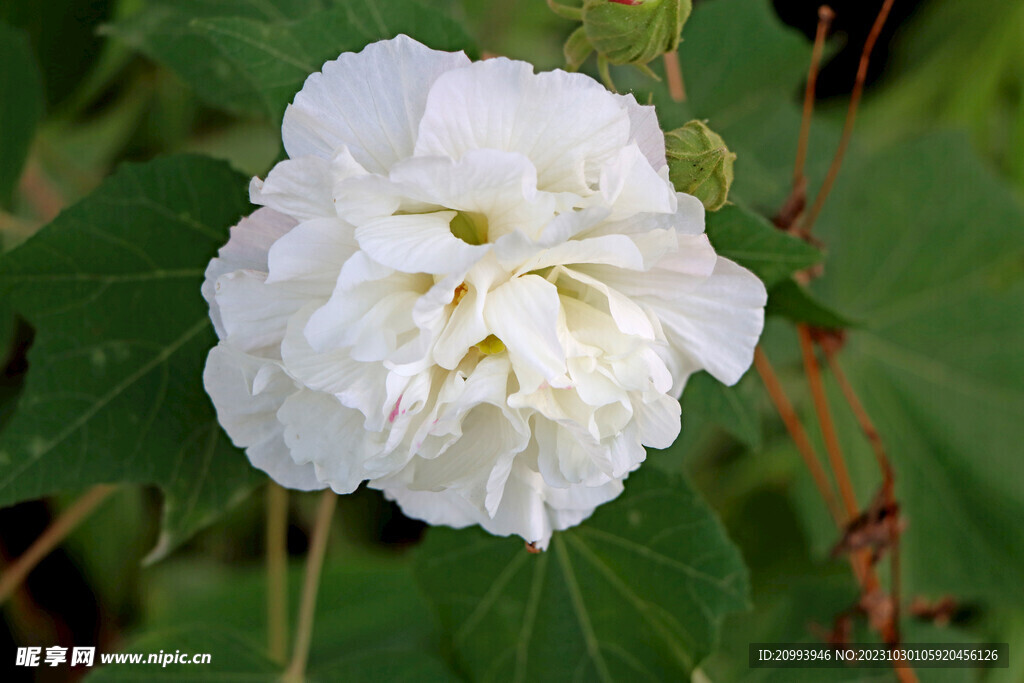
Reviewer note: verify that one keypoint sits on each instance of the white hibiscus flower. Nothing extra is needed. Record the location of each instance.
(472, 287)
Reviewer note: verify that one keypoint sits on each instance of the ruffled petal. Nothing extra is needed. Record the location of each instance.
(523, 313)
(718, 323)
(246, 249)
(566, 124)
(631, 185)
(312, 254)
(418, 243)
(255, 314)
(321, 432)
(300, 188)
(246, 392)
(370, 102)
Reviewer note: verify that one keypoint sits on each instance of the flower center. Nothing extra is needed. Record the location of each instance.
(471, 228)
(491, 345)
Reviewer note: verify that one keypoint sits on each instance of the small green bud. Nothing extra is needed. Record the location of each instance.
(634, 31)
(700, 164)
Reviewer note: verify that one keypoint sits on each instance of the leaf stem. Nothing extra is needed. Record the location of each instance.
(296, 671)
(825, 16)
(828, 429)
(674, 77)
(277, 572)
(51, 538)
(851, 116)
(796, 432)
(859, 412)
(884, 464)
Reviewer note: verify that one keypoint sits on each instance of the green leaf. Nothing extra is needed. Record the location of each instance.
(366, 605)
(936, 272)
(794, 302)
(63, 38)
(957, 65)
(751, 241)
(635, 593)
(114, 391)
(232, 658)
(248, 56)
(371, 623)
(21, 106)
(735, 408)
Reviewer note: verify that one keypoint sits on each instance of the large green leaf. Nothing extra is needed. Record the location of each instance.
(734, 408)
(114, 391)
(926, 247)
(232, 658)
(634, 593)
(251, 57)
(962, 64)
(371, 625)
(21, 105)
(795, 302)
(751, 241)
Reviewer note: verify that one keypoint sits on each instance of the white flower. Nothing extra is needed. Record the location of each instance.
(471, 286)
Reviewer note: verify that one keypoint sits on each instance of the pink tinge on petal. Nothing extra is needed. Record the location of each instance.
(394, 411)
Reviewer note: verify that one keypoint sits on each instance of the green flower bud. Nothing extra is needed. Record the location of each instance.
(634, 31)
(699, 163)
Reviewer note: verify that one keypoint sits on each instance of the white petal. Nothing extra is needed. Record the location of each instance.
(313, 253)
(255, 314)
(300, 188)
(246, 249)
(628, 316)
(320, 431)
(274, 458)
(719, 322)
(616, 250)
(645, 132)
(515, 248)
(529, 507)
(370, 309)
(658, 420)
(370, 102)
(418, 243)
(523, 314)
(631, 186)
(248, 412)
(672, 276)
(499, 186)
(356, 384)
(566, 124)
(465, 328)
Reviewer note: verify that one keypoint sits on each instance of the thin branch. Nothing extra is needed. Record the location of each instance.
(828, 430)
(825, 17)
(851, 116)
(296, 671)
(40, 193)
(859, 412)
(51, 538)
(796, 431)
(277, 572)
(884, 464)
(674, 77)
